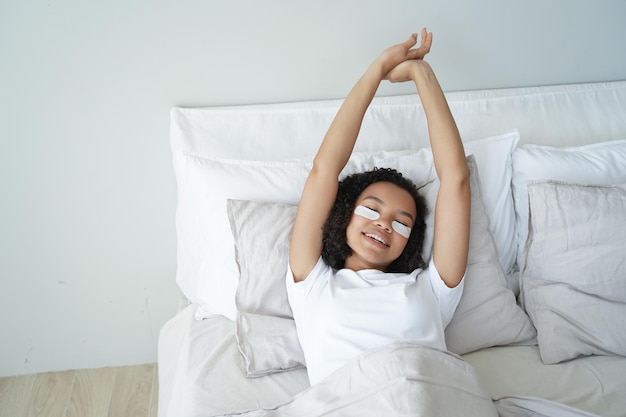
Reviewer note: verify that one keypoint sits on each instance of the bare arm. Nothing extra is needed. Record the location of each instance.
(452, 210)
(320, 189)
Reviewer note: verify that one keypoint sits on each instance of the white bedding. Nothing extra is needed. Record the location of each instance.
(202, 375)
(397, 379)
(262, 154)
(201, 371)
(595, 384)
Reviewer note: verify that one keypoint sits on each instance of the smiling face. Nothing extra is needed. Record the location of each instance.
(377, 232)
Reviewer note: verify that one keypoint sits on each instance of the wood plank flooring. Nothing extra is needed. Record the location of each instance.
(129, 391)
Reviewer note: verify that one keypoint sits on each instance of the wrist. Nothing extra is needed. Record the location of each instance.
(421, 70)
(378, 69)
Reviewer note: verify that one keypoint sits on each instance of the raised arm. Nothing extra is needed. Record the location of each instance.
(320, 189)
(452, 209)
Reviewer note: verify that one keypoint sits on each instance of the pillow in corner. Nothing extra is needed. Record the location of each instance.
(574, 279)
(597, 164)
(487, 314)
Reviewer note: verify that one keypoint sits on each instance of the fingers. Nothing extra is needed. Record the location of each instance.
(424, 35)
(409, 43)
(427, 39)
(424, 47)
(408, 49)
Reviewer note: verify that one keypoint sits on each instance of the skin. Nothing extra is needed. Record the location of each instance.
(400, 63)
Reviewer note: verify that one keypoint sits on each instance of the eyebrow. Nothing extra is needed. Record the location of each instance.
(381, 202)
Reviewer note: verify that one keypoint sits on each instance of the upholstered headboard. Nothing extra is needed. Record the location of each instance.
(562, 115)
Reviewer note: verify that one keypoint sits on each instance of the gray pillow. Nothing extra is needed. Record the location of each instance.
(574, 278)
(487, 314)
(265, 330)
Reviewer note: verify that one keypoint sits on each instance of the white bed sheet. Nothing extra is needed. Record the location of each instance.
(595, 384)
(201, 374)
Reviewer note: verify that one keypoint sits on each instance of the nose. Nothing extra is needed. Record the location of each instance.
(384, 224)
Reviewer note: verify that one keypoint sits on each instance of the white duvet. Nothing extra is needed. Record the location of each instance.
(405, 379)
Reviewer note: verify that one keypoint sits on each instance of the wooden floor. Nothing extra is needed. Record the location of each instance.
(130, 391)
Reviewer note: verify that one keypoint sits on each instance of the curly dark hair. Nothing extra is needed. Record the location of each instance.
(335, 248)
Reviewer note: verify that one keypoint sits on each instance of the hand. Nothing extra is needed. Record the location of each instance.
(404, 51)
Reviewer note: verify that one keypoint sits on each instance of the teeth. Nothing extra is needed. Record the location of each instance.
(376, 238)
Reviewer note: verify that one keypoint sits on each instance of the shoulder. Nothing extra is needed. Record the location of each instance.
(443, 293)
(319, 275)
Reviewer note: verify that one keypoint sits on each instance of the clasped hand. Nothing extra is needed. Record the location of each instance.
(400, 60)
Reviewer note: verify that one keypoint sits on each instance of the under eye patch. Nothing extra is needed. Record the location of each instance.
(367, 212)
(402, 229)
(370, 214)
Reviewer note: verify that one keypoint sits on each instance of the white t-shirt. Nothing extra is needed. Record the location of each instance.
(340, 314)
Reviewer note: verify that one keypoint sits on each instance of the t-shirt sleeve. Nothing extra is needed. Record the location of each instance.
(447, 297)
(298, 291)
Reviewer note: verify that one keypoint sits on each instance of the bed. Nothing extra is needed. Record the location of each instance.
(541, 327)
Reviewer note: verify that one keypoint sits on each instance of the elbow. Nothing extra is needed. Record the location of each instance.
(462, 172)
(324, 169)
(460, 176)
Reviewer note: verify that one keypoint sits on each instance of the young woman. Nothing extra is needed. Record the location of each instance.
(356, 278)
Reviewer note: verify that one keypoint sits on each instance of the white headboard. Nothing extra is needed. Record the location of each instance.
(562, 115)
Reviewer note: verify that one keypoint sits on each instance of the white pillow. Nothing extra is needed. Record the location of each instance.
(494, 159)
(207, 273)
(207, 270)
(487, 314)
(597, 164)
(574, 278)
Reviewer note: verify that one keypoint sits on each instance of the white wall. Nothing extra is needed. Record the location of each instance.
(87, 238)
